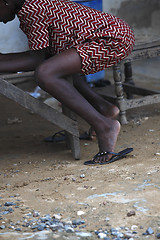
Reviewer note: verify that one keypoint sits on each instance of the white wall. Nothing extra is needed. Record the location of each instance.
(12, 39)
(142, 15)
(111, 6)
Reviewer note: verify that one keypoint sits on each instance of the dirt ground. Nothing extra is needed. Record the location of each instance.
(44, 177)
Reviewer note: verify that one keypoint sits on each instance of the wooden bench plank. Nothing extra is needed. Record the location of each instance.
(145, 53)
(147, 44)
(139, 102)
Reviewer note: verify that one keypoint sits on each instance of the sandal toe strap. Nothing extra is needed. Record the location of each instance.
(101, 154)
(105, 154)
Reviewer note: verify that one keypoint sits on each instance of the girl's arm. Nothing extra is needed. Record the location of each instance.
(23, 61)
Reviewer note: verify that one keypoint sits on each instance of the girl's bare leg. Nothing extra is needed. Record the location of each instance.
(100, 104)
(51, 77)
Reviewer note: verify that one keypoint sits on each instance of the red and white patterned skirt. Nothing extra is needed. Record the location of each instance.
(106, 47)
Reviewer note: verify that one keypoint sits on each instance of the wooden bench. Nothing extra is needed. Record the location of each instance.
(65, 120)
(125, 89)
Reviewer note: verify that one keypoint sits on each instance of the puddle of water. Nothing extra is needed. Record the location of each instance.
(117, 198)
(140, 208)
(103, 195)
(146, 184)
(84, 234)
(44, 235)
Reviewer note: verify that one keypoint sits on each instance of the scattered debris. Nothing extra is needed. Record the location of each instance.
(55, 225)
(14, 120)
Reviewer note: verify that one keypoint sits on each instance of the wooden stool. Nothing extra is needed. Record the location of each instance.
(65, 120)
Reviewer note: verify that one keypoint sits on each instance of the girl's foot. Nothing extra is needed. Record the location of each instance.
(107, 138)
(111, 111)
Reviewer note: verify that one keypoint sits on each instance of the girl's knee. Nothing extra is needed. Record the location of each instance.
(40, 74)
(43, 75)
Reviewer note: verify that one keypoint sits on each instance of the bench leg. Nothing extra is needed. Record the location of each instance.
(74, 146)
(119, 92)
(128, 77)
(72, 141)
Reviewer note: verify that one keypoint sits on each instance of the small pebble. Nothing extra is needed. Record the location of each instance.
(134, 227)
(54, 227)
(78, 222)
(36, 214)
(82, 176)
(158, 154)
(2, 227)
(9, 204)
(69, 229)
(114, 231)
(18, 229)
(46, 218)
(158, 235)
(29, 214)
(4, 212)
(131, 213)
(10, 210)
(102, 235)
(41, 227)
(79, 213)
(57, 216)
(149, 231)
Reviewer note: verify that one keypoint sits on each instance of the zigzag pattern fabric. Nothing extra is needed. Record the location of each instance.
(100, 38)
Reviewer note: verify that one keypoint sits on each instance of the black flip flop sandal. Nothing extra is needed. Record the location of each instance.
(115, 157)
(60, 137)
(57, 137)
